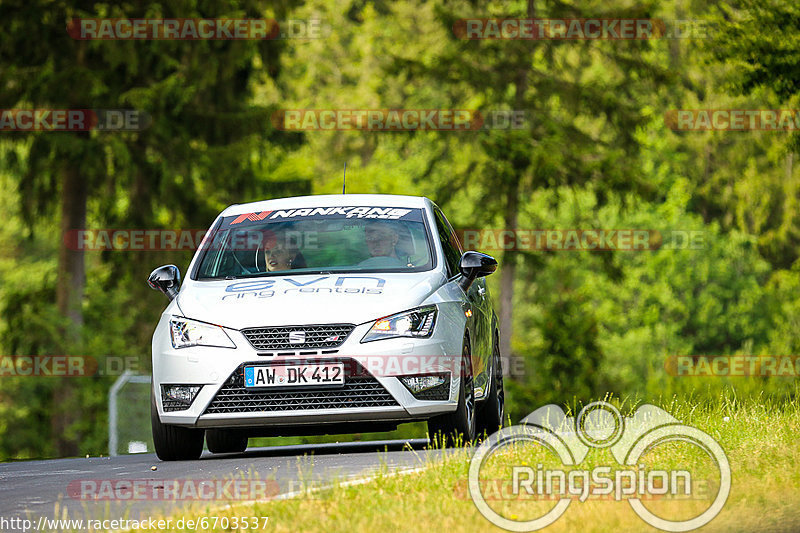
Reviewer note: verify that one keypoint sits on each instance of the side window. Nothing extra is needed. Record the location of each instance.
(450, 244)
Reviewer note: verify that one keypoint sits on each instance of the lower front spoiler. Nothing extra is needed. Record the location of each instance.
(293, 427)
(308, 419)
(317, 416)
(336, 428)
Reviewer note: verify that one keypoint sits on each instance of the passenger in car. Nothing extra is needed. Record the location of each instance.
(381, 238)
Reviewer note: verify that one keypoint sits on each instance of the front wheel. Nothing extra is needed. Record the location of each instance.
(174, 443)
(458, 428)
(492, 409)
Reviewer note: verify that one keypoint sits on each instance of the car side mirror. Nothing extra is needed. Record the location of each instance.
(166, 279)
(474, 265)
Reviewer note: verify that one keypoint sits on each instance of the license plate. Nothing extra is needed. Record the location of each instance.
(293, 375)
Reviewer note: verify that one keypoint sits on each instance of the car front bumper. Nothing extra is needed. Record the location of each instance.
(384, 361)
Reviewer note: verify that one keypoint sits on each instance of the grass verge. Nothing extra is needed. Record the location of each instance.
(759, 437)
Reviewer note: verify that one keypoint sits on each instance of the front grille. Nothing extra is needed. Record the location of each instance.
(305, 337)
(360, 390)
(173, 405)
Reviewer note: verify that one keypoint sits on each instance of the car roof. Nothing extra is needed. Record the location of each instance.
(330, 200)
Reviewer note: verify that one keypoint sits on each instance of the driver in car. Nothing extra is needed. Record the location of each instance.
(281, 254)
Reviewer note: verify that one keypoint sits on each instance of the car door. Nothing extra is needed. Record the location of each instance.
(476, 296)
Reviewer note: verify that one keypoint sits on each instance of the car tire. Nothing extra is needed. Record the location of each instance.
(225, 441)
(174, 443)
(457, 428)
(492, 410)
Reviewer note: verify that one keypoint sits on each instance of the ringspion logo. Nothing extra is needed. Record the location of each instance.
(599, 425)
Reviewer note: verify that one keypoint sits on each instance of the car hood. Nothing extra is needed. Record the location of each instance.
(305, 299)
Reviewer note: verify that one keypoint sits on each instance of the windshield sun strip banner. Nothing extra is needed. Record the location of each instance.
(321, 213)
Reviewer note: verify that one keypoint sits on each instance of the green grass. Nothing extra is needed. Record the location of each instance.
(759, 437)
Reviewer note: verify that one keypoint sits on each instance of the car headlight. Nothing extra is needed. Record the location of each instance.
(186, 332)
(416, 323)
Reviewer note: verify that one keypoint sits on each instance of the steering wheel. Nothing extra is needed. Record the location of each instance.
(245, 270)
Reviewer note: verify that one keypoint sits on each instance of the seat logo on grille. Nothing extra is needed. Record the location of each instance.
(297, 337)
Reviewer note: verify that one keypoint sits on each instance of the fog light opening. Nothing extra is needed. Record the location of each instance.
(184, 394)
(417, 384)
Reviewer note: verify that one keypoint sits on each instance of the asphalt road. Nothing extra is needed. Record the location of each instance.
(127, 487)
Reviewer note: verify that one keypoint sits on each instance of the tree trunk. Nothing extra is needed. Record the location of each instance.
(141, 217)
(507, 274)
(509, 271)
(71, 274)
(69, 296)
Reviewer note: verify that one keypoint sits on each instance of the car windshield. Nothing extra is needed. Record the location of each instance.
(319, 239)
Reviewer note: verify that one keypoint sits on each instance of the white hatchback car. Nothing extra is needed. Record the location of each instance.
(324, 315)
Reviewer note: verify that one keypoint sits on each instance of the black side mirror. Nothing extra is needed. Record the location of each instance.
(166, 279)
(474, 265)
